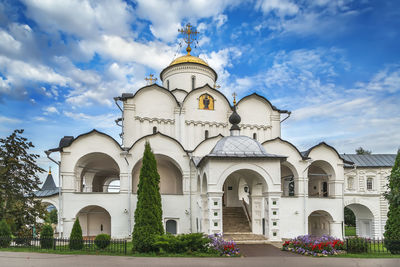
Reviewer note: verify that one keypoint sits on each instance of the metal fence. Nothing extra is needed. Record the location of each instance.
(369, 245)
(114, 246)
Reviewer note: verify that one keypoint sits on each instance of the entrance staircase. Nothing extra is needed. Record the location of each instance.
(236, 227)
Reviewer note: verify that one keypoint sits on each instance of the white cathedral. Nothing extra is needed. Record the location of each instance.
(224, 168)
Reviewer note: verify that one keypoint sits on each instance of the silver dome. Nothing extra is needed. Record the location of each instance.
(239, 146)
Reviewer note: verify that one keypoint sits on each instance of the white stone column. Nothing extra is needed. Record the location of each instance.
(89, 176)
(215, 212)
(256, 214)
(336, 229)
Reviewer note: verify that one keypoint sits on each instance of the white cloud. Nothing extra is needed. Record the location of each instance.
(51, 110)
(220, 20)
(4, 119)
(95, 121)
(16, 69)
(387, 80)
(83, 18)
(280, 7)
(166, 16)
(152, 54)
(8, 43)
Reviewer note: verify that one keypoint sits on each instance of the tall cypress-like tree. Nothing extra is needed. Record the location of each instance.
(392, 228)
(18, 181)
(148, 213)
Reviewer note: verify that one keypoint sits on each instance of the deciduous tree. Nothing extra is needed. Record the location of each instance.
(18, 181)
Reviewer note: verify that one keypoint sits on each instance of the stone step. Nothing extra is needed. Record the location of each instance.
(246, 238)
(235, 220)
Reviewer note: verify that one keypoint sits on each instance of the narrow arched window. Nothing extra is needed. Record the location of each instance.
(168, 84)
(170, 227)
(255, 136)
(154, 129)
(206, 134)
(193, 82)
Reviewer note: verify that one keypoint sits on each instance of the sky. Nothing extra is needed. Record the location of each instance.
(335, 64)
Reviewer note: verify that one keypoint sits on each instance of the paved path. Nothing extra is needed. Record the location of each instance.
(264, 250)
(18, 259)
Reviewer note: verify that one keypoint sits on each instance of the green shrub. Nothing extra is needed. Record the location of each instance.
(76, 239)
(46, 237)
(102, 241)
(184, 243)
(5, 234)
(24, 236)
(357, 245)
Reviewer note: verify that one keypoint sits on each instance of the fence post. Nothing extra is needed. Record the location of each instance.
(54, 243)
(125, 246)
(347, 245)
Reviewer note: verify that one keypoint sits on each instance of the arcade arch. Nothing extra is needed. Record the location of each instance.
(98, 172)
(170, 175)
(319, 223)
(364, 220)
(320, 175)
(94, 220)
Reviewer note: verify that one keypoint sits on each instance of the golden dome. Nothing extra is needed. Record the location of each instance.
(188, 59)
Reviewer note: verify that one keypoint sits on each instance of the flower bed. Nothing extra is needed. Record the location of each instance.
(223, 247)
(314, 246)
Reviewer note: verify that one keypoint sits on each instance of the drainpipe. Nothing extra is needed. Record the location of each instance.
(48, 152)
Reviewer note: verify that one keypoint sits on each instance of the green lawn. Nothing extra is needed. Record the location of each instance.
(367, 255)
(350, 231)
(101, 252)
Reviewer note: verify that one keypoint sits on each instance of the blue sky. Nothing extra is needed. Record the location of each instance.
(334, 64)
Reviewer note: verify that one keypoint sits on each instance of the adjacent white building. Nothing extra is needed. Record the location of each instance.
(221, 170)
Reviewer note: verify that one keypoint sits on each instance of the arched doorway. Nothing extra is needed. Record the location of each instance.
(98, 172)
(242, 202)
(170, 175)
(364, 220)
(94, 220)
(319, 223)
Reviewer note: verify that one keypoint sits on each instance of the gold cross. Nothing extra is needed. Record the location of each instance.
(189, 35)
(234, 98)
(150, 80)
(216, 86)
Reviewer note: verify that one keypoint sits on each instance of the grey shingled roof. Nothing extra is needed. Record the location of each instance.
(373, 160)
(240, 146)
(49, 188)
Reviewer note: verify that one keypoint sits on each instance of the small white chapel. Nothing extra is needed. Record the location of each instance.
(224, 167)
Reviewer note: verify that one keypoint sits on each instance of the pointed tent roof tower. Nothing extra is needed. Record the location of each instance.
(49, 187)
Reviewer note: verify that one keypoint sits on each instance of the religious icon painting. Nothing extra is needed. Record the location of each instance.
(206, 102)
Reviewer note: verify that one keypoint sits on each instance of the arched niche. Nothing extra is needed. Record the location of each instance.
(204, 187)
(288, 180)
(94, 220)
(171, 178)
(97, 171)
(320, 176)
(319, 223)
(364, 220)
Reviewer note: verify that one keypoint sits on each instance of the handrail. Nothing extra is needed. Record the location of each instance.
(246, 210)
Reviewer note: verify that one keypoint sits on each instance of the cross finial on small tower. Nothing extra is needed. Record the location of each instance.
(49, 169)
(216, 86)
(189, 35)
(234, 98)
(150, 80)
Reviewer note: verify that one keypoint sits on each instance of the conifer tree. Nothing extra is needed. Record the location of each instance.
(76, 239)
(392, 228)
(148, 213)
